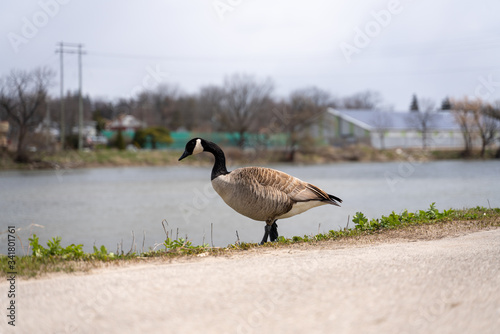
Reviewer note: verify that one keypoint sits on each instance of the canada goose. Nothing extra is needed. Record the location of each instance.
(262, 194)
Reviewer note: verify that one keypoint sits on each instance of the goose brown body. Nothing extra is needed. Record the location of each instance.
(259, 193)
(265, 194)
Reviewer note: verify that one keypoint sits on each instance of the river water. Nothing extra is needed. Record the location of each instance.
(103, 206)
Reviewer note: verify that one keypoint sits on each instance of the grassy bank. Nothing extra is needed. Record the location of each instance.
(113, 158)
(95, 158)
(423, 224)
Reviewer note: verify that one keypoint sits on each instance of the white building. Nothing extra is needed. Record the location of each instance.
(125, 123)
(386, 129)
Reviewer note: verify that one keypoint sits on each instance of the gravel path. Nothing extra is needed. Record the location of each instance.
(450, 285)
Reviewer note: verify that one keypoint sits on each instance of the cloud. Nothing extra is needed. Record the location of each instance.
(431, 48)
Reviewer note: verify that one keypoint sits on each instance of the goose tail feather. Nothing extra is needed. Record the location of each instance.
(323, 196)
(334, 200)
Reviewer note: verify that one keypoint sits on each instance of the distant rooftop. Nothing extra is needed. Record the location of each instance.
(393, 120)
(125, 121)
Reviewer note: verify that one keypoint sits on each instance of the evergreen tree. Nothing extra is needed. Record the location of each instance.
(446, 104)
(414, 103)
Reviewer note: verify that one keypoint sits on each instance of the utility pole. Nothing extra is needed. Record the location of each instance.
(79, 50)
(46, 129)
(80, 101)
(61, 133)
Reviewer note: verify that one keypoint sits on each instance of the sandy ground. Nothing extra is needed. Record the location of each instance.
(449, 285)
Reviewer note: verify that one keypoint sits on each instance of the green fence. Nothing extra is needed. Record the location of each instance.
(221, 138)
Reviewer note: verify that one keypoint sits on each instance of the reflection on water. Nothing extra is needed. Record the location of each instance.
(103, 206)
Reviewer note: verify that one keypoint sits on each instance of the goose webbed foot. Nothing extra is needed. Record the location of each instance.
(271, 232)
(267, 230)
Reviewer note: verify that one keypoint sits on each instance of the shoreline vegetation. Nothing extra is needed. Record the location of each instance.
(426, 224)
(105, 157)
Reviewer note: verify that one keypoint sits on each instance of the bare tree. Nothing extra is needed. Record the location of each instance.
(144, 108)
(244, 98)
(124, 106)
(477, 118)
(161, 102)
(304, 108)
(187, 106)
(210, 106)
(363, 100)
(382, 122)
(23, 96)
(462, 111)
(104, 108)
(486, 124)
(423, 119)
(495, 113)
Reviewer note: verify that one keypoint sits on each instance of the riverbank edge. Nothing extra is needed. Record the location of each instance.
(136, 158)
(432, 229)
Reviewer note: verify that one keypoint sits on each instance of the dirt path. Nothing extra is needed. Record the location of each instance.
(450, 285)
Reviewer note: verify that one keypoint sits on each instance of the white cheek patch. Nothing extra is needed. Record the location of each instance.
(198, 148)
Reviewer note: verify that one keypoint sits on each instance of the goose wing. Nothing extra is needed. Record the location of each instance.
(274, 182)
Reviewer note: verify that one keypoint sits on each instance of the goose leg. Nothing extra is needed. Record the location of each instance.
(273, 234)
(267, 230)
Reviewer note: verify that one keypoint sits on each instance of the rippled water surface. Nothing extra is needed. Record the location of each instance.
(103, 206)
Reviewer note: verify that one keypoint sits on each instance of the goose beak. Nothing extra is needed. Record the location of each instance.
(185, 154)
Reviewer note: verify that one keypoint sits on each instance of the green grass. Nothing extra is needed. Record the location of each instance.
(113, 157)
(54, 257)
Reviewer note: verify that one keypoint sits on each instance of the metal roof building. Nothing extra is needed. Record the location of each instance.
(392, 129)
(394, 120)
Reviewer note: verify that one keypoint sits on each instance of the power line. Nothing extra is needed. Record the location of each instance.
(468, 43)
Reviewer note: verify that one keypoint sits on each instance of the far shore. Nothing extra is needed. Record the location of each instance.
(115, 158)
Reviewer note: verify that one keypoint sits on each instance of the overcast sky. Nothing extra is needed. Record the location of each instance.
(431, 48)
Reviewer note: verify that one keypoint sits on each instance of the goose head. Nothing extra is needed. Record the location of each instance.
(194, 146)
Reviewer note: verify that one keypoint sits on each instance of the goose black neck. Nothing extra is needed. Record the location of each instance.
(220, 159)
